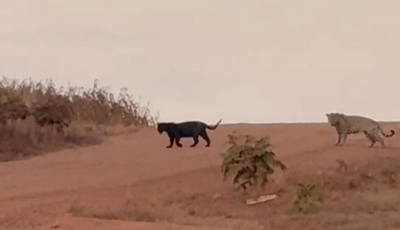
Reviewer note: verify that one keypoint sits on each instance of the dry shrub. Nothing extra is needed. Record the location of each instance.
(37, 117)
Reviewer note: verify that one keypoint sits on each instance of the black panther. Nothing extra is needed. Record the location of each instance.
(192, 129)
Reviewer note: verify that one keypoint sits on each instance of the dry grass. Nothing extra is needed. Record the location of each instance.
(37, 117)
(363, 196)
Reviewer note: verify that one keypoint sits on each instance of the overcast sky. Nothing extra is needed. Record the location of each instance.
(242, 61)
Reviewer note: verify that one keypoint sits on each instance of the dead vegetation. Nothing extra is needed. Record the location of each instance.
(37, 117)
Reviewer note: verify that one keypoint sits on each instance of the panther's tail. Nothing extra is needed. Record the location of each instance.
(214, 126)
(386, 135)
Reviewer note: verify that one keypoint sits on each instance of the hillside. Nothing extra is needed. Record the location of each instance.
(133, 177)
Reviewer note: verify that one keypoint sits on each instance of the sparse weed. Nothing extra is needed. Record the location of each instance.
(308, 198)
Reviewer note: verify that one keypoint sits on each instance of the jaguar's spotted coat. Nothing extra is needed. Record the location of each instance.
(351, 124)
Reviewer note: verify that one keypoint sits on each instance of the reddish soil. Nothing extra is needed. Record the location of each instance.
(134, 182)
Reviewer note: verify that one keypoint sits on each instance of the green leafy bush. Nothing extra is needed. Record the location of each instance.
(249, 160)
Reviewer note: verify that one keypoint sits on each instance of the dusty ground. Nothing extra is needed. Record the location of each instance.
(134, 182)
